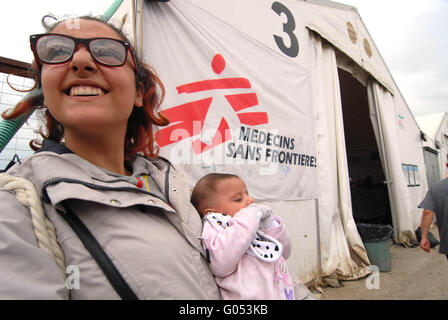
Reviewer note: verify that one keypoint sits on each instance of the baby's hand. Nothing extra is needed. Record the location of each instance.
(255, 211)
(267, 219)
(262, 213)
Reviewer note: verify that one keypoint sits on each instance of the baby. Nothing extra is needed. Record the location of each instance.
(247, 244)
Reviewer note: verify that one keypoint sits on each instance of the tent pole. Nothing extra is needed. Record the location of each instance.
(139, 23)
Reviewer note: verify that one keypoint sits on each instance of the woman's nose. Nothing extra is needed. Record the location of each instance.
(82, 60)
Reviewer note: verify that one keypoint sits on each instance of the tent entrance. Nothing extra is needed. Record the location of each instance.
(369, 194)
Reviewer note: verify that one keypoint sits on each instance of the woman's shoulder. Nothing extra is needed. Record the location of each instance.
(52, 160)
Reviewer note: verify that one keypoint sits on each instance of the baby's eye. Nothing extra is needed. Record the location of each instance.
(238, 200)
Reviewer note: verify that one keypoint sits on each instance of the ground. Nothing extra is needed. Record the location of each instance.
(415, 275)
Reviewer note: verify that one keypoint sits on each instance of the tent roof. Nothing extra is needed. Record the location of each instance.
(332, 4)
(430, 124)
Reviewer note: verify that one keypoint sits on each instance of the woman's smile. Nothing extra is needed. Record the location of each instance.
(86, 91)
(84, 88)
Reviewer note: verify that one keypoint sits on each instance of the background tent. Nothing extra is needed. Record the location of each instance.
(435, 145)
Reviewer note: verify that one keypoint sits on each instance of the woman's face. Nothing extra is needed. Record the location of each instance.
(85, 96)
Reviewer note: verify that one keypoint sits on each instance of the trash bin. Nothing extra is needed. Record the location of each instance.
(377, 241)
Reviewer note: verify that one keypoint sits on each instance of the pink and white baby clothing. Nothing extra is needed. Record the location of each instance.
(247, 254)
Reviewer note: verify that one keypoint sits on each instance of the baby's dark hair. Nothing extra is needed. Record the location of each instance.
(206, 187)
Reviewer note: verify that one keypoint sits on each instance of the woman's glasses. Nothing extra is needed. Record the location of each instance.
(52, 48)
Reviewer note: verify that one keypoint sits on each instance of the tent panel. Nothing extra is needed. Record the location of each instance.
(329, 21)
(401, 203)
(229, 95)
(346, 31)
(343, 252)
(411, 154)
(263, 21)
(300, 219)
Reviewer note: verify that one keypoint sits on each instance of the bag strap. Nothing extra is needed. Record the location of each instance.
(97, 252)
(11, 163)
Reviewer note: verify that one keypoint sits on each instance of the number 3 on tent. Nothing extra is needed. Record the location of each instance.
(288, 27)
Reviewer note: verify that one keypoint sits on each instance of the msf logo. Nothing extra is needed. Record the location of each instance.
(187, 120)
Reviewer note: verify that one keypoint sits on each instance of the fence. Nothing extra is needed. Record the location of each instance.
(9, 97)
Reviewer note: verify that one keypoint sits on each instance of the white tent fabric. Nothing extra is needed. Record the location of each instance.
(435, 126)
(227, 114)
(404, 222)
(431, 124)
(331, 25)
(342, 249)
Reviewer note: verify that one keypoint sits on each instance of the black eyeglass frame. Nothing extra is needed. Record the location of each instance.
(86, 41)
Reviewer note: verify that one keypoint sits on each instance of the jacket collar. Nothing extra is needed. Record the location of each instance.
(54, 146)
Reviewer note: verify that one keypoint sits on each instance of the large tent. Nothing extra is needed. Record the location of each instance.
(295, 98)
(435, 145)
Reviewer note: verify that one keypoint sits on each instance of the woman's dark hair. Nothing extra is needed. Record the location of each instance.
(139, 133)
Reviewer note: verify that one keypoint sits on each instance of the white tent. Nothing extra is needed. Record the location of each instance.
(294, 97)
(435, 127)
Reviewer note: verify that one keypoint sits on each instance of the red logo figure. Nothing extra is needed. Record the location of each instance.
(186, 115)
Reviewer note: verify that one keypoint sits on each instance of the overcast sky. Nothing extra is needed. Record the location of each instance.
(410, 34)
(19, 19)
(412, 37)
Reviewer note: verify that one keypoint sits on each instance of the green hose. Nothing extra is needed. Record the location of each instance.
(8, 128)
(112, 9)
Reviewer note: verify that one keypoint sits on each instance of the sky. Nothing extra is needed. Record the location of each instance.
(411, 36)
(20, 18)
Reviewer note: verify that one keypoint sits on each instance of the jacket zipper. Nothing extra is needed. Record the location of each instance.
(207, 252)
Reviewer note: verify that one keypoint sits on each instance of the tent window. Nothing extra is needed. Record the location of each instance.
(411, 174)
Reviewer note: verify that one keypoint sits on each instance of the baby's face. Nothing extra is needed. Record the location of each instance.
(231, 196)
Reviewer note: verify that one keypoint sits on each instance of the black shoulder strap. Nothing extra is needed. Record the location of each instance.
(11, 163)
(100, 256)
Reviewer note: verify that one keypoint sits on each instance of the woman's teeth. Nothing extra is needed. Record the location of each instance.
(86, 91)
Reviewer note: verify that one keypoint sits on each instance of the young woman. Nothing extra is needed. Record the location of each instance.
(101, 102)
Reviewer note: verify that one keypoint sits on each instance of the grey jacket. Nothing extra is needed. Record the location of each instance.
(154, 243)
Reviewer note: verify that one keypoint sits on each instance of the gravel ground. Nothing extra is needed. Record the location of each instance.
(415, 275)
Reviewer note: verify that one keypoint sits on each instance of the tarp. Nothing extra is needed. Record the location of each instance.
(227, 99)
